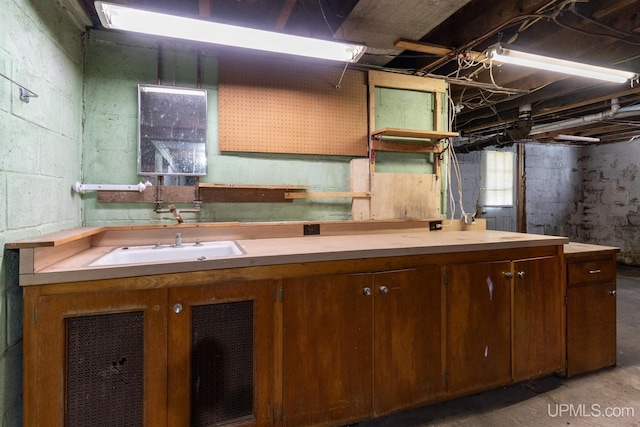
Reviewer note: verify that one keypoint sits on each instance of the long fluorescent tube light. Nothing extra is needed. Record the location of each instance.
(121, 17)
(510, 56)
(576, 138)
(174, 91)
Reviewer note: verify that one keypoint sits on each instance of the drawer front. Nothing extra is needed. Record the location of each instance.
(591, 271)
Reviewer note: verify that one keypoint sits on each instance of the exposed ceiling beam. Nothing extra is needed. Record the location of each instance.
(285, 13)
(434, 49)
(204, 7)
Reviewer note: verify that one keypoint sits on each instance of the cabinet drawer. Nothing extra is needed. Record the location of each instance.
(591, 271)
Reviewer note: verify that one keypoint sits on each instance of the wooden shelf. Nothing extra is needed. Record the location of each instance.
(208, 193)
(412, 133)
(207, 185)
(248, 193)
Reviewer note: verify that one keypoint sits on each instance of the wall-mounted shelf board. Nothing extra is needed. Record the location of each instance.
(412, 133)
(170, 194)
(206, 193)
(327, 195)
(237, 193)
(407, 147)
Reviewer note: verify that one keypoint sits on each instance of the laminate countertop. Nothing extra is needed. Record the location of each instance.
(273, 251)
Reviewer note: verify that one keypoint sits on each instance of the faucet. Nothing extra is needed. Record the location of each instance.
(176, 213)
(178, 243)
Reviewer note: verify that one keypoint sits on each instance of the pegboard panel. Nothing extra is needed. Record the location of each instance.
(276, 106)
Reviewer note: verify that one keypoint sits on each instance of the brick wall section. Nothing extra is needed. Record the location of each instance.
(40, 157)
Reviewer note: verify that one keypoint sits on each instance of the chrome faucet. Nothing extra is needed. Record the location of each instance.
(178, 243)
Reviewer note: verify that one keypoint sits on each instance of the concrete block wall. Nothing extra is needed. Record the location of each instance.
(40, 156)
(587, 193)
(611, 203)
(115, 65)
(554, 189)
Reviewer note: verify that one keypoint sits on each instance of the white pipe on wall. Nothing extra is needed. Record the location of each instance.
(81, 188)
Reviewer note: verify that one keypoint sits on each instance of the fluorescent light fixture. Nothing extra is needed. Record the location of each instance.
(510, 56)
(175, 91)
(121, 17)
(576, 138)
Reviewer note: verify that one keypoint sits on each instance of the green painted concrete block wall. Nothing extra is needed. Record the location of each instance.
(83, 126)
(117, 63)
(40, 157)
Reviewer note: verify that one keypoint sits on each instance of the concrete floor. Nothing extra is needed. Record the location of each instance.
(541, 402)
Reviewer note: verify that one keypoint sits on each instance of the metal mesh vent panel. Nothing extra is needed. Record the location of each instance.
(221, 362)
(105, 370)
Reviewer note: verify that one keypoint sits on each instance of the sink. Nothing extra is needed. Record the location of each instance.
(169, 253)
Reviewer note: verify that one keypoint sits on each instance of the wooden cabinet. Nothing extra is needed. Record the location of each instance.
(538, 318)
(478, 326)
(591, 311)
(408, 368)
(360, 345)
(504, 322)
(327, 343)
(100, 359)
(318, 343)
(220, 354)
(190, 356)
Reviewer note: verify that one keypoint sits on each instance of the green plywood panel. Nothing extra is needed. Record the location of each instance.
(406, 109)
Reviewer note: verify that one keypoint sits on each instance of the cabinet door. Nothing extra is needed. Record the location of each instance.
(591, 327)
(538, 301)
(220, 352)
(327, 344)
(101, 359)
(478, 326)
(408, 322)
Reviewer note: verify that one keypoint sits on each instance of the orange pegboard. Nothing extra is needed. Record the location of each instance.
(287, 106)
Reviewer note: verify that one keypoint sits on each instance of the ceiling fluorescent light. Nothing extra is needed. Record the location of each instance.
(120, 17)
(173, 90)
(576, 138)
(501, 54)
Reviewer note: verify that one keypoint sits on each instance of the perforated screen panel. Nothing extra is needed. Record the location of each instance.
(105, 370)
(221, 362)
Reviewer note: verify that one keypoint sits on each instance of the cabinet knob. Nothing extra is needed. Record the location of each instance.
(508, 275)
(384, 290)
(177, 308)
(597, 271)
(366, 291)
(613, 293)
(521, 274)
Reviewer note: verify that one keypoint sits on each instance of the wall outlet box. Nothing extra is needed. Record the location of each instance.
(311, 229)
(469, 219)
(435, 225)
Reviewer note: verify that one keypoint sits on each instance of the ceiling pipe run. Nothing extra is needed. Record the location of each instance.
(615, 112)
(580, 121)
(518, 131)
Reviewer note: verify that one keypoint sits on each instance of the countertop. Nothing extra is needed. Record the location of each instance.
(289, 250)
(574, 248)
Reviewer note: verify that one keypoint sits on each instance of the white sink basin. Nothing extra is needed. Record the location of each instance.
(167, 253)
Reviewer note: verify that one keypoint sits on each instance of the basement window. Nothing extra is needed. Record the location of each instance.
(497, 178)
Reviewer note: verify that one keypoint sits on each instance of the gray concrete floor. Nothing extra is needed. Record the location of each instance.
(540, 402)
